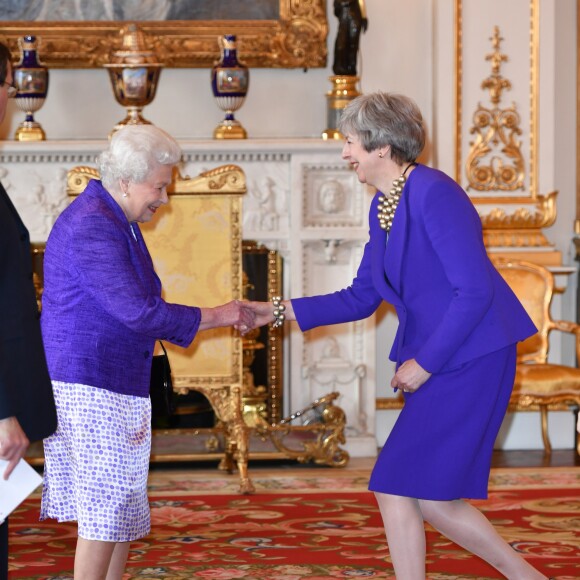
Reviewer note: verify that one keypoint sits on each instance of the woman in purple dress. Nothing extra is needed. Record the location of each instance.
(102, 312)
(455, 347)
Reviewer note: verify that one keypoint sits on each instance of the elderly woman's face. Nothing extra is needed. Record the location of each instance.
(143, 199)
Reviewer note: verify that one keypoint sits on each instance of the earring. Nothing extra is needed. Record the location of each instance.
(381, 154)
(124, 185)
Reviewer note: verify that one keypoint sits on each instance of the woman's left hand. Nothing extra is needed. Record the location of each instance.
(409, 376)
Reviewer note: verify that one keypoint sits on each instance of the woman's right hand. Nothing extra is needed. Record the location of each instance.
(410, 376)
(235, 313)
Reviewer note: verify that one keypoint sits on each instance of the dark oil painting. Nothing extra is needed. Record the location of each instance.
(138, 10)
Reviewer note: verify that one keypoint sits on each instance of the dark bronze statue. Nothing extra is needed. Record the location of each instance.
(352, 20)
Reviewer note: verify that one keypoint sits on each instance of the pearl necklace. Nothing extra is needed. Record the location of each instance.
(388, 205)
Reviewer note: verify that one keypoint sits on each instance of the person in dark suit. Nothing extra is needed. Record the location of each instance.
(455, 347)
(27, 409)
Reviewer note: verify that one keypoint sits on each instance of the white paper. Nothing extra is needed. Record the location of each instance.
(21, 483)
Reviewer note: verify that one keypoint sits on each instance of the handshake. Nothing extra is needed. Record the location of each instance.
(246, 315)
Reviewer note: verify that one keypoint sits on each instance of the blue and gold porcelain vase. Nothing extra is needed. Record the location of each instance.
(230, 80)
(31, 80)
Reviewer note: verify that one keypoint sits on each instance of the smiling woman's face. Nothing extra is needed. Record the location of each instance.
(367, 165)
(143, 199)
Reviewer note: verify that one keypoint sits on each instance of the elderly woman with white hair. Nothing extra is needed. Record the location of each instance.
(102, 313)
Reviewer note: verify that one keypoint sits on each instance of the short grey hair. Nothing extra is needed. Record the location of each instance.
(134, 152)
(386, 119)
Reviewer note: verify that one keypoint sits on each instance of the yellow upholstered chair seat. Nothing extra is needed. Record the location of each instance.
(546, 380)
(539, 384)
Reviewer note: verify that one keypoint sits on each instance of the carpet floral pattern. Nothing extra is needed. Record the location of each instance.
(322, 528)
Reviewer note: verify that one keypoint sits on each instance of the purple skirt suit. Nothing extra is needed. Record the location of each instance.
(457, 318)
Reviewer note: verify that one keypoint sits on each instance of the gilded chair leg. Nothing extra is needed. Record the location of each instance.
(238, 435)
(227, 404)
(241, 458)
(545, 436)
(227, 461)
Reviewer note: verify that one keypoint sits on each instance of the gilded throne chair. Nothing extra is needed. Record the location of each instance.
(538, 383)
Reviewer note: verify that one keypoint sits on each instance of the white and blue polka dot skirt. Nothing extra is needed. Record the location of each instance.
(97, 462)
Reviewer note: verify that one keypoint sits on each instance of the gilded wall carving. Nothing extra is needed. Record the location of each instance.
(495, 161)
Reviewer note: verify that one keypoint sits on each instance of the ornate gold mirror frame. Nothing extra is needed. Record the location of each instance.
(297, 39)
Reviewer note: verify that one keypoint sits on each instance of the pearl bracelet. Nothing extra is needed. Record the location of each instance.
(279, 308)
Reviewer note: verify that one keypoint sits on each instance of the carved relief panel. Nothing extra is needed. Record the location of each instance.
(332, 198)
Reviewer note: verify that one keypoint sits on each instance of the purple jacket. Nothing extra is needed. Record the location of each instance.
(452, 304)
(102, 308)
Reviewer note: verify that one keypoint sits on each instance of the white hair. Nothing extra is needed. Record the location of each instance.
(134, 152)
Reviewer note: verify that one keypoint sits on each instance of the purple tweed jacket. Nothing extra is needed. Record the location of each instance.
(102, 308)
(453, 305)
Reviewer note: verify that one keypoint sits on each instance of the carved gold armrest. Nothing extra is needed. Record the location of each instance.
(570, 328)
(78, 178)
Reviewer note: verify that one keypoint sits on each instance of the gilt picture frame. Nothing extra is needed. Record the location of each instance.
(296, 39)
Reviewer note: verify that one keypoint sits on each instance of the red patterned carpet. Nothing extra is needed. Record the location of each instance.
(316, 528)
